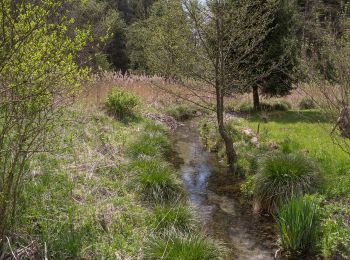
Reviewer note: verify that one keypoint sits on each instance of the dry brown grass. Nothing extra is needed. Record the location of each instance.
(153, 90)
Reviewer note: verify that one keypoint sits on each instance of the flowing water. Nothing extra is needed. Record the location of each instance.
(214, 193)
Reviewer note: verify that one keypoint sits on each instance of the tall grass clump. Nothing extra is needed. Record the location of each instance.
(173, 217)
(181, 112)
(150, 144)
(180, 246)
(281, 105)
(299, 226)
(157, 180)
(307, 103)
(121, 103)
(281, 176)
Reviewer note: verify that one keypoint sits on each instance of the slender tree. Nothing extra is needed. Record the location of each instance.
(228, 34)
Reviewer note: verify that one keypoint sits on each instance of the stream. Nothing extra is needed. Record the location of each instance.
(214, 194)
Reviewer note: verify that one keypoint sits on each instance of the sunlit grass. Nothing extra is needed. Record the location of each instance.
(309, 131)
(157, 180)
(176, 245)
(282, 176)
(299, 226)
(173, 217)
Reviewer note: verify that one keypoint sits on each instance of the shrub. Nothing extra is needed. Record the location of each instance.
(173, 217)
(230, 107)
(179, 246)
(264, 106)
(307, 103)
(246, 107)
(121, 103)
(282, 176)
(281, 105)
(299, 224)
(157, 180)
(181, 112)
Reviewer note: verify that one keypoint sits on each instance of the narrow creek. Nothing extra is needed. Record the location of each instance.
(214, 194)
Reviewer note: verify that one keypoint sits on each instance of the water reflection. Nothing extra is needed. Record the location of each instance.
(248, 236)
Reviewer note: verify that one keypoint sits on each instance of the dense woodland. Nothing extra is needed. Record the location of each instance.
(92, 93)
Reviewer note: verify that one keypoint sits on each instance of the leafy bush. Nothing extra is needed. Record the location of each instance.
(157, 180)
(181, 112)
(182, 247)
(121, 103)
(173, 217)
(307, 103)
(299, 225)
(282, 176)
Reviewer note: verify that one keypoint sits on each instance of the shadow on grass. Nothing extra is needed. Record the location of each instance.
(289, 117)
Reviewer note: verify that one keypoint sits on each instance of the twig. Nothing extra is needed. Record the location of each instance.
(13, 254)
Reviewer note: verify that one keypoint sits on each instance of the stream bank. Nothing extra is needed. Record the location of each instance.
(215, 196)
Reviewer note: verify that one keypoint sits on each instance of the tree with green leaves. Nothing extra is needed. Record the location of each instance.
(103, 21)
(266, 68)
(38, 76)
(227, 35)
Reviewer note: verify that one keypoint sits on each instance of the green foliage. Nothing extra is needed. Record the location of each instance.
(247, 187)
(180, 246)
(246, 107)
(181, 112)
(282, 176)
(122, 103)
(150, 144)
(281, 105)
(39, 76)
(173, 217)
(307, 103)
(103, 21)
(161, 42)
(299, 225)
(298, 126)
(84, 212)
(336, 232)
(157, 180)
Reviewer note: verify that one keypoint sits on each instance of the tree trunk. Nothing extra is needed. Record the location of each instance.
(256, 99)
(220, 87)
(230, 150)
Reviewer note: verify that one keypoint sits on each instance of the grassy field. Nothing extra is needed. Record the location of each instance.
(107, 192)
(308, 131)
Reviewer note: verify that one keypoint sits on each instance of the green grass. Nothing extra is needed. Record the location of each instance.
(282, 176)
(181, 112)
(150, 144)
(173, 217)
(77, 200)
(176, 245)
(309, 131)
(299, 226)
(157, 180)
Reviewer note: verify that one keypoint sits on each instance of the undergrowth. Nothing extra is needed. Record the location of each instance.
(105, 193)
